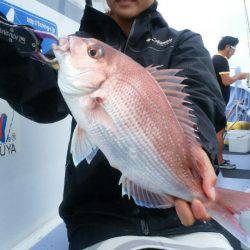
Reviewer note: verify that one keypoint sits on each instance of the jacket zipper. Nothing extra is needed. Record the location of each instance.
(129, 36)
(143, 222)
(144, 227)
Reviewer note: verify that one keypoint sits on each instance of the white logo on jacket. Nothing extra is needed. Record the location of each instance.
(160, 43)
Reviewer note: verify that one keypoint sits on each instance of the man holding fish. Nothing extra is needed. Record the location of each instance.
(145, 121)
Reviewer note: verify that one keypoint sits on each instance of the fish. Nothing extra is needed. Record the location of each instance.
(143, 122)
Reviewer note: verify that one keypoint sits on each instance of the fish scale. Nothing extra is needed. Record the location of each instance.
(182, 175)
(147, 159)
(122, 146)
(154, 134)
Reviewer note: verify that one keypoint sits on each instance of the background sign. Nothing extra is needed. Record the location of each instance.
(20, 16)
(9, 126)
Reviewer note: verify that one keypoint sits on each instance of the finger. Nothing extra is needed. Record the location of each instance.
(199, 210)
(184, 212)
(209, 178)
(208, 175)
(209, 190)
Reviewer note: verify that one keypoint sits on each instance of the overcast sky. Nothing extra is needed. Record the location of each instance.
(212, 19)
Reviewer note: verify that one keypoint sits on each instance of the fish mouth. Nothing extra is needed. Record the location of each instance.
(63, 47)
(70, 45)
(66, 44)
(66, 47)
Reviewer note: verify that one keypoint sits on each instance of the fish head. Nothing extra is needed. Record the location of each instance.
(86, 66)
(83, 64)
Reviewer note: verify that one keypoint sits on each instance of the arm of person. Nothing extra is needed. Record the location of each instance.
(228, 80)
(30, 87)
(191, 56)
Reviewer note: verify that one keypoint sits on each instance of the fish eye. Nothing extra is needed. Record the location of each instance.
(95, 52)
(92, 52)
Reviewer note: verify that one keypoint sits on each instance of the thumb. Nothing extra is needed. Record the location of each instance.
(208, 187)
(207, 174)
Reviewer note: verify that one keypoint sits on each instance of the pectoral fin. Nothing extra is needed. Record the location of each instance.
(100, 115)
(94, 108)
(81, 147)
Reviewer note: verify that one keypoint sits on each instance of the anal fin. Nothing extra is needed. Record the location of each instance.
(143, 197)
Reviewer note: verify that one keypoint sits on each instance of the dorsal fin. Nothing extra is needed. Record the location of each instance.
(169, 72)
(173, 89)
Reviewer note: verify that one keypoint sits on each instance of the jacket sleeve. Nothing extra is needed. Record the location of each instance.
(30, 87)
(208, 105)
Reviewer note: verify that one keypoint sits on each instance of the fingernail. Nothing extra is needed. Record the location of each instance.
(212, 193)
(187, 223)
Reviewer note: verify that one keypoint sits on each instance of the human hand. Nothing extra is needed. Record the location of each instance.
(242, 76)
(187, 212)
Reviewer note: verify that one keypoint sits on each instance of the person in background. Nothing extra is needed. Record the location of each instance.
(226, 49)
(93, 208)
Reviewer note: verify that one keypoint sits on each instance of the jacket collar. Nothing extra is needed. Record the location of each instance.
(143, 23)
(151, 9)
(93, 14)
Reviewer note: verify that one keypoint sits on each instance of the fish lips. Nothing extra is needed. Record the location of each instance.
(64, 43)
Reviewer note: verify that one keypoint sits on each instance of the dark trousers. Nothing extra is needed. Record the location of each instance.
(81, 236)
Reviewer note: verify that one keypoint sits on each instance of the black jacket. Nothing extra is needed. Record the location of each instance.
(92, 198)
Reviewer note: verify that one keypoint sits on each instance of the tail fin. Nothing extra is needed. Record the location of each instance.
(228, 204)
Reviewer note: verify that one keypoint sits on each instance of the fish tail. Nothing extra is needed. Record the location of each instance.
(224, 209)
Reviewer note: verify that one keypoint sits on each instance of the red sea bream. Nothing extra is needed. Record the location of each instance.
(138, 118)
